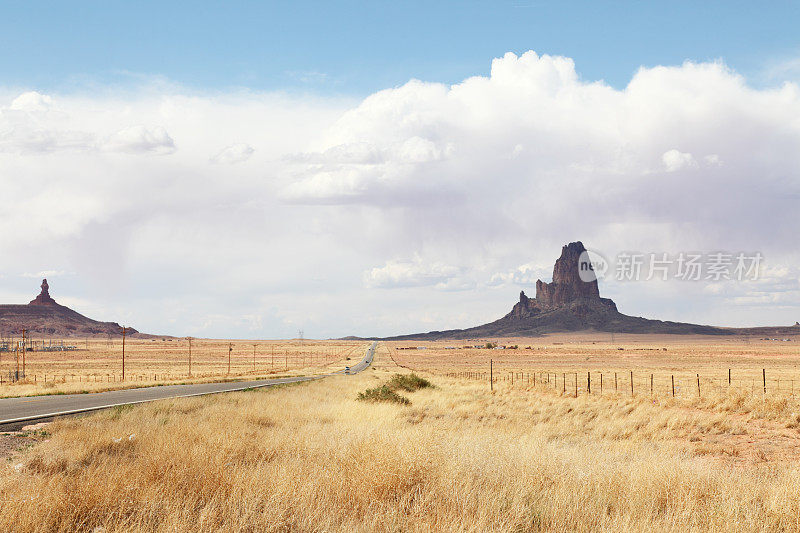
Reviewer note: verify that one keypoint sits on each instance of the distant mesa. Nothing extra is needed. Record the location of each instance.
(572, 303)
(44, 316)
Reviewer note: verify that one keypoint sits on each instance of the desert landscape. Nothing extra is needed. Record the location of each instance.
(425, 267)
(96, 364)
(457, 457)
(578, 429)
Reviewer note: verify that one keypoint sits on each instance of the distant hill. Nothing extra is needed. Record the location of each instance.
(570, 303)
(44, 316)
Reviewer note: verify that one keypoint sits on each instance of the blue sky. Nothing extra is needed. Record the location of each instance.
(250, 170)
(355, 48)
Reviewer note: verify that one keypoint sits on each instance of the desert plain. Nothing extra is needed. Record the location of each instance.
(453, 453)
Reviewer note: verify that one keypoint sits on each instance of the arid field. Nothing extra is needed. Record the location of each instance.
(681, 359)
(97, 364)
(455, 456)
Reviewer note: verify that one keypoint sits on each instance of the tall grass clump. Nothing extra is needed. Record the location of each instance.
(408, 382)
(382, 394)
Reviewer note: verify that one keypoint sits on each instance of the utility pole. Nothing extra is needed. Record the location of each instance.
(123, 352)
(24, 349)
(190, 356)
(230, 349)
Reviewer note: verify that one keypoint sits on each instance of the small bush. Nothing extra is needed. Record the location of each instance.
(382, 394)
(408, 382)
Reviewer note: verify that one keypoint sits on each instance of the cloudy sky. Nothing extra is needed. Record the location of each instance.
(256, 171)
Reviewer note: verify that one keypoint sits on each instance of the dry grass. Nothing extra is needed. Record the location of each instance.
(311, 457)
(663, 356)
(97, 365)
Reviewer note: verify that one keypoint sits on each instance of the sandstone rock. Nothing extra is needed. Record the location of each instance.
(45, 317)
(44, 296)
(567, 303)
(567, 285)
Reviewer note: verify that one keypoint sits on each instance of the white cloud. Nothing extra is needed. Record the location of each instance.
(523, 275)
(235, 153)
(468, 180)
(31, 101)
(44, 274)
(413, 273)
(674, 160)
(141, 140)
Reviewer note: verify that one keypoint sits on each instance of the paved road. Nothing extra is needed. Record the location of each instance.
(17, 412)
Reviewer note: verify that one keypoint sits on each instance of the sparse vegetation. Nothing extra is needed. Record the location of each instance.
(408, 382)
(388, 391)
(96, 366)
(382, 394)
(461, 458)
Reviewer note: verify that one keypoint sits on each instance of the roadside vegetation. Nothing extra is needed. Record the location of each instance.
(311, 457)
(388, 391)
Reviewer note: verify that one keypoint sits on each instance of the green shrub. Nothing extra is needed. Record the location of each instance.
(382, 394)
(408, 382)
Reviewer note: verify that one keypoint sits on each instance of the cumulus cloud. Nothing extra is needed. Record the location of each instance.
(141, 140)
(469, 181)
(34, 124)
(416, 273)
(523, 275)
(674, 160)
(235, 153)
(32, 101)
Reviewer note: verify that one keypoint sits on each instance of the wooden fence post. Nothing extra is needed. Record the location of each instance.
(576, 384)
(651, 385)
(672, 377)
(729, 377)
(631, 383)
(491, 376)
(698, 385)
(588, 383)
(564, 383)
(601, 383)
(764, 378)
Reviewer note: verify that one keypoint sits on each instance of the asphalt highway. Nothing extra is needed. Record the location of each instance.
(17, 412)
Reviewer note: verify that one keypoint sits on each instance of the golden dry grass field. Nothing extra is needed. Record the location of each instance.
(458, 457)
(97, 364)
(667, 358)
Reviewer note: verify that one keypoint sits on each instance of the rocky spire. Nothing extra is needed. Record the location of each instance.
(44, 296)
(567, 285)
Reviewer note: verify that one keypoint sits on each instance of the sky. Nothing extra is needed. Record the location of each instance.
(251, 170)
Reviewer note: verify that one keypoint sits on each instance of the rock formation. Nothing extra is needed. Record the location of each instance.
(43, 315)
(567, 290)
(44, 296)
(571, 302)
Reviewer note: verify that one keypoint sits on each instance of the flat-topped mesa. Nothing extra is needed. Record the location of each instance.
(44, 296)
(567, 285)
